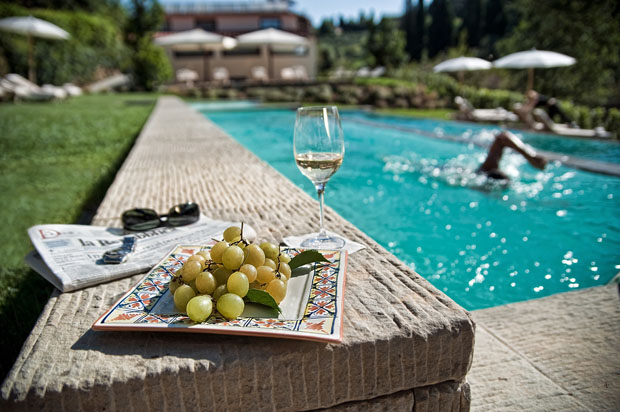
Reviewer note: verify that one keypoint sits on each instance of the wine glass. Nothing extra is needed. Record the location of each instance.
(318, 145)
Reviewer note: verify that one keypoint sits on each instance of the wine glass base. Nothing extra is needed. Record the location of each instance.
(323, 243)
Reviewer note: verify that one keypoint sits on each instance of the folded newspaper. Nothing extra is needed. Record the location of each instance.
(70, 256)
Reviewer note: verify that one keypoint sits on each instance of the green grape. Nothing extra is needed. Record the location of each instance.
(271, 250)
(197, 258)
(199, 308)
(277, 289)
(205, 254)
(285, 270)
(232, 234)
(206, 283)
(249, 271)
(221, 275)
(238, 284)
(270, 263)
(265, 274)
(219, 291)
(233, 257)
(191, 269)
(254, 255)
(230, 306)
(182, 295)
(218, 250)
(175, 282)
(284, 257)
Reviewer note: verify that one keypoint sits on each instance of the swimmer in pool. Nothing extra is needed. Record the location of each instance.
(490, 166)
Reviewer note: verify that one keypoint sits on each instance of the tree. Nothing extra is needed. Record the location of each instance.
(408, 23)
(327, 28)
(420, 30)
(386, 44)
(472, 21)
(150, 64)
(495, 26)
(440, 32)
(588, 31)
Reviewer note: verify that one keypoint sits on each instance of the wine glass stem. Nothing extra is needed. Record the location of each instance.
(320, 190)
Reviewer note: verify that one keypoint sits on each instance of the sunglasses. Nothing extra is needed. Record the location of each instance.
(145, 219)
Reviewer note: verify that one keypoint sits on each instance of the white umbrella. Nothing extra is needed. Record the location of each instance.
(533, 59)
(273, 38)
(196, 39)
(33, 27)
(462, 64)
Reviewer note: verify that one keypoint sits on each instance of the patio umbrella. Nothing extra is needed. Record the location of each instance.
(33, 27)
(196, 39)
(462, 64)
(273, 38)
(533, 59)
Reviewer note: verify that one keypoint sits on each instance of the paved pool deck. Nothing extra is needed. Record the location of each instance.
(559, 353)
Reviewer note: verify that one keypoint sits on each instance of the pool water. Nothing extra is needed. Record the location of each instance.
(483, 244)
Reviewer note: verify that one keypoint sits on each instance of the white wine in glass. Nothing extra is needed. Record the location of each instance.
(319, 150)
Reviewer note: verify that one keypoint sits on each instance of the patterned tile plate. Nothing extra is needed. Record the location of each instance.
(312, 309)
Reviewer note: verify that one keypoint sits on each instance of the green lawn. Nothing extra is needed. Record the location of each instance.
(57, 161)
(441, 114)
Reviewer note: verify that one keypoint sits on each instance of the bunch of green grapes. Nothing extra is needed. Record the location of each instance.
(220, 278)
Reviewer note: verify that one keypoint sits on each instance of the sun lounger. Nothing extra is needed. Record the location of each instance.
(468, 112)
(259, 73)
(288, 73)
(565, 130)
(300, 72)
(72, 89)
(187, 76)
(24, 89)
(114, 82)
(19, 88)
(58, 92)
(220, 74)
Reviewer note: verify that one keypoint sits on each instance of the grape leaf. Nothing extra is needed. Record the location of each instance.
(263, 298)
(305, 257)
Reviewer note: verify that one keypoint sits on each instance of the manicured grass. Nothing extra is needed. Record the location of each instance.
(56, 162)
(441, 114)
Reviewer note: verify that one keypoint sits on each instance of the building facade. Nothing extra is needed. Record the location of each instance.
(244, 62)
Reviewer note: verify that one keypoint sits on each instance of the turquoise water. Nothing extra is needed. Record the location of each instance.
(483, 245)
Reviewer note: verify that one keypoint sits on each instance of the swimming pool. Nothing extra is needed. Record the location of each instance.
(547, 232)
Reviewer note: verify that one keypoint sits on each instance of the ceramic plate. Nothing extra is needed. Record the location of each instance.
(312, 309)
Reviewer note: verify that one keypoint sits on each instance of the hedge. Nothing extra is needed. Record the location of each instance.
(96, 44)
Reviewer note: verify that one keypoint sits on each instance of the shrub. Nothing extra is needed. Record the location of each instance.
(95, 44)
(151, 67)
(612, 123)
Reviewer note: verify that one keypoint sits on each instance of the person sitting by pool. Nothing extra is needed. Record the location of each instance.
(534, 100)
(490, 167)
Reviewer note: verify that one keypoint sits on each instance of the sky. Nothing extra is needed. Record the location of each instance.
(319, 9)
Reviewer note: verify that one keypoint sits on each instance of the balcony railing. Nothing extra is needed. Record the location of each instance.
(224, 6)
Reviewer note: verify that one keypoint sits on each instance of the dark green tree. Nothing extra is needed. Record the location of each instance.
(386, 44)
(420, 30)
(327, 28)
(440, 32)
(472, 22)
(408, 25)
(150, 66)
(588, 31)
(495, 27)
